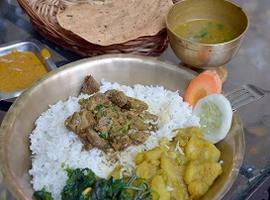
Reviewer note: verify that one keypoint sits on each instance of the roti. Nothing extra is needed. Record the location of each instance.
(115, 21)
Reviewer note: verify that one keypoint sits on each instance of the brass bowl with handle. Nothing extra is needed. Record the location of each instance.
(15, 155)
(201, 55)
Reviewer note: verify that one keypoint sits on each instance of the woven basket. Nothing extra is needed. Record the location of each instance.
(42, 14)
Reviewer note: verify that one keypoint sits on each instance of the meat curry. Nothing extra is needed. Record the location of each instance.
(111, 121)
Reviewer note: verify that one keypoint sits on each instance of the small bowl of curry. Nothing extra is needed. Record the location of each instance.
(206, 33)
(21, 64)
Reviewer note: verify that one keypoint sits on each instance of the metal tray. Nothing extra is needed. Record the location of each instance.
(29, 45)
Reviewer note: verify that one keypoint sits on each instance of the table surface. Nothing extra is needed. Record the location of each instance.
(250, 65)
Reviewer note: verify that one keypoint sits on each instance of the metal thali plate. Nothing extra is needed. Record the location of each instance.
(59, 84)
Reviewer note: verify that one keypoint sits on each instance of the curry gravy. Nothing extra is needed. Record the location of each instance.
(19, 70)
(206, 31)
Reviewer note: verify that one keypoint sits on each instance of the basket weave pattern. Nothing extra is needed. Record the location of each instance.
(42, 14)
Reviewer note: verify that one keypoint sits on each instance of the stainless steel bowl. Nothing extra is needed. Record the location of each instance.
(15, 156)
(202, 55)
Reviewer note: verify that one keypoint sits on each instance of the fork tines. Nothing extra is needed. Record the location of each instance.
(243, 96)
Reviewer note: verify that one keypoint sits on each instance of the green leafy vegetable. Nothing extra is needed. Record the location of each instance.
(43, 195)
(78, 181)
(121, 189)
(82, 184)
(109, 189)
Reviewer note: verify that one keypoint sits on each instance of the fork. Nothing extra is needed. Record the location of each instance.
(245, 94)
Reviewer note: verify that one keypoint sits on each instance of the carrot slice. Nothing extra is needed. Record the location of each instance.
(206, 83)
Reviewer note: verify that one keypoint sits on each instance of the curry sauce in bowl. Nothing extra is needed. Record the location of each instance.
(21, 64)
(206, 33)
(18, 70)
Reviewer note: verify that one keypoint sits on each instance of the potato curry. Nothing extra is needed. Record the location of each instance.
(184, 168)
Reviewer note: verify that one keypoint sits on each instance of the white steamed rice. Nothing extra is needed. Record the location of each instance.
(53, 145)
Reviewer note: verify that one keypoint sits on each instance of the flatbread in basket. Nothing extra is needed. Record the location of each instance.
(115, 21)
(43, 15)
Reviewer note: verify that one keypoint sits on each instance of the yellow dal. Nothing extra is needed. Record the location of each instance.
(206, 31)
(19, 70)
